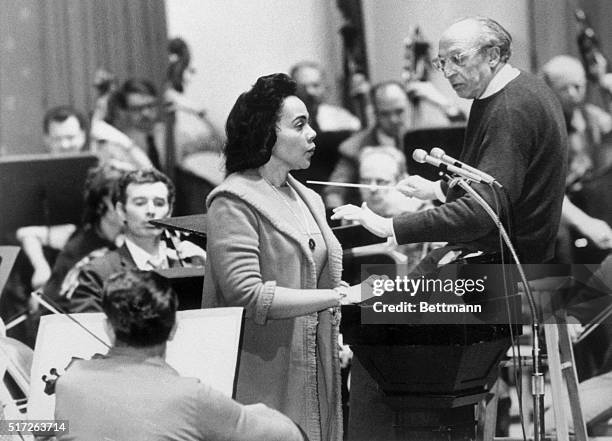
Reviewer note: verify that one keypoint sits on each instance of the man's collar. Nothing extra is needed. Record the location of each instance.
(144, 260)
(506, 74)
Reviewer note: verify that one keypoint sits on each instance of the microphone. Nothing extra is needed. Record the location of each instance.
(420, 155)
(438, 153)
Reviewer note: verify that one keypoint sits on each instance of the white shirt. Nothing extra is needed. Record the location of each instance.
(506, 74)
(147, 262)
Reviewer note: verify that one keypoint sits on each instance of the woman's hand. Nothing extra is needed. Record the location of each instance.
(353, 295)
(378, 225)
(360, 292)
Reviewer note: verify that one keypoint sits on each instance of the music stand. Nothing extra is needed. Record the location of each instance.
(42, 190)
(193, 223)
(448, 138)
(349, 236)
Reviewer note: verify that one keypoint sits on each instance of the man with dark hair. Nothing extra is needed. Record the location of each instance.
(132, 393)
(65, 130)
(141, 196)
(132, 134)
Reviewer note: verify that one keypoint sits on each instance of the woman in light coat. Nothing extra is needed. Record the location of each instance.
(271, 251)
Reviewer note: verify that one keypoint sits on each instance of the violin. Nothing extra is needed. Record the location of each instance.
(51, 379)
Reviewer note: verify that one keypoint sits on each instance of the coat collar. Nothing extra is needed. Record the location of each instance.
(251, 188)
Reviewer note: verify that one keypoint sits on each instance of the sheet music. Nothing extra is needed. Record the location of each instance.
(205, 346)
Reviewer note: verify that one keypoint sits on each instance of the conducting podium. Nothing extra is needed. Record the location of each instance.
(420, 382)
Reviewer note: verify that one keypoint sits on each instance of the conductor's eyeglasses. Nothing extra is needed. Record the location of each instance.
(455, 60)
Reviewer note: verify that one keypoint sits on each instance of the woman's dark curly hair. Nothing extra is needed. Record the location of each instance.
(251, 124)
(140, 306)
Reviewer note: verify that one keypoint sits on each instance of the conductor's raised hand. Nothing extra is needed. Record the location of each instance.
(378, 225)
(418, 187)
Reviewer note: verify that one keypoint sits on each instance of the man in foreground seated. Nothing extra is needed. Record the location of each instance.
(131, 393)
(141, 196)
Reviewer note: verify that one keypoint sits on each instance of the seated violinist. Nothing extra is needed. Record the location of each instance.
(142, 195)
(131, 393)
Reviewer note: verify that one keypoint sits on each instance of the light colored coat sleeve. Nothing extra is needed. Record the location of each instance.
(233, 250)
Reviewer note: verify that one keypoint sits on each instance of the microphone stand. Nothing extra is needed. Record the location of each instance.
(537, 384)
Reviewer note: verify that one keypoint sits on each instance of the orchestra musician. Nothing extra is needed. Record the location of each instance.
(311, 89)
(65, 131)
(100, 231)
(390, 101)
(587, 125)
(132, 393)
(142, 195)
(271, 251)
(130, 136)
(516, 133)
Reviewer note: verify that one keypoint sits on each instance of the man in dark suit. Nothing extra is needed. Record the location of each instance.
(141, 196)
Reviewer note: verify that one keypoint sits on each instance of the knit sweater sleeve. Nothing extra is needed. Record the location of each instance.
(498, 141)
(233, 248)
